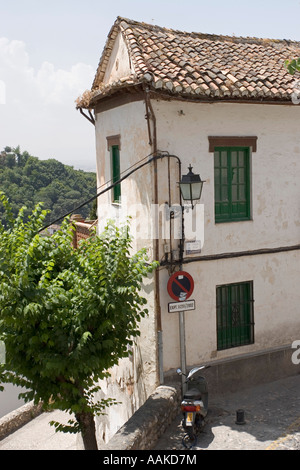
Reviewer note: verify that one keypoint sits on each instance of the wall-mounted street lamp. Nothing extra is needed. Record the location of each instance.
(191, 186)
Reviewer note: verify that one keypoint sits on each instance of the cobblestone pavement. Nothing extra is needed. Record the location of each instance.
(272, 420)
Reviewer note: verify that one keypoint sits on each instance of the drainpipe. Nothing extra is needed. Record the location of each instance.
(153, 142)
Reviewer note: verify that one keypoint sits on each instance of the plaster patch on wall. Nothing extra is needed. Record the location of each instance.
(262, 204)
(268, 274)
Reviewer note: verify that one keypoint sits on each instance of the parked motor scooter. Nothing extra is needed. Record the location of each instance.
(194, 405)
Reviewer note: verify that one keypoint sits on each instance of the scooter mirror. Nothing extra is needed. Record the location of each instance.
(179, 371)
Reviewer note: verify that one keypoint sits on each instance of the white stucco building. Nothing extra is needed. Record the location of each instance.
(223, 105)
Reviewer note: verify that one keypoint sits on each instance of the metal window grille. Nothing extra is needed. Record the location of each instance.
(235, 316)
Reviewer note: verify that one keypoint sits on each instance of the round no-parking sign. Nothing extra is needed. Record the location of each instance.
(180, 286)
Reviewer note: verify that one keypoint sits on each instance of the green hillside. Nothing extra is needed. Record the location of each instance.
(26, 180)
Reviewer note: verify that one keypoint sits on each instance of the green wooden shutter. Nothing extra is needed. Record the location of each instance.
(116, 172)
(232, 184)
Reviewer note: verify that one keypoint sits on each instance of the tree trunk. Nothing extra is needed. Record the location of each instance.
(87, 424)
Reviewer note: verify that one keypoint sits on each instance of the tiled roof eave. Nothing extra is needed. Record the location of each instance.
(169, 91)
(114, 89)
(105, 54)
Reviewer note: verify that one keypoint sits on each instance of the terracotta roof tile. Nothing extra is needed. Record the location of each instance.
(199, 65)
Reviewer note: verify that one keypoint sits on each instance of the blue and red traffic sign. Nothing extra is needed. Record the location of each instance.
(180, 286)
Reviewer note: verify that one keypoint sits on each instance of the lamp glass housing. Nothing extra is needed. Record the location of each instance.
(191, 186)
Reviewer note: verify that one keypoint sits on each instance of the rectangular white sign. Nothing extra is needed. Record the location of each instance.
(193, 247)
(181, 306)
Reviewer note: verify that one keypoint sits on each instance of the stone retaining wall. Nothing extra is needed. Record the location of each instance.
(17, 418)
(149, 422)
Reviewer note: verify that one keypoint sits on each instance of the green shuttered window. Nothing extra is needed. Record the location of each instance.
(232, 184)
(116, 172)
(235, 317)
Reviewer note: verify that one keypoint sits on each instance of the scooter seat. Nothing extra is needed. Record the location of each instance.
(193, 393)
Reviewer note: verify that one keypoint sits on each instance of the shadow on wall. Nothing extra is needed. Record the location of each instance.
(128, 385)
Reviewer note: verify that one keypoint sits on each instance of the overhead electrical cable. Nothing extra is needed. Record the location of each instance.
(128, 173)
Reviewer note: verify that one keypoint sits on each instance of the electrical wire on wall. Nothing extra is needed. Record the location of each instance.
(129, 171)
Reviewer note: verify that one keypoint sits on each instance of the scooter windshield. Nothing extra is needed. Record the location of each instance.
(194, 370)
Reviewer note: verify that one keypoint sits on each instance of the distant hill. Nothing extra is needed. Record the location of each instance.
(26, 180)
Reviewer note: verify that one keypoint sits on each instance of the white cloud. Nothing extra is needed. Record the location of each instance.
(61, 86)
(2, 92)
(47, 84)
(13, 54)
(37, 107)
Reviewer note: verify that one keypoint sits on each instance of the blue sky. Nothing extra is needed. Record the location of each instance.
(49, 53)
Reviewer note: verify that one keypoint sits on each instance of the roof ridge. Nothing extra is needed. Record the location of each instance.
(209, 36)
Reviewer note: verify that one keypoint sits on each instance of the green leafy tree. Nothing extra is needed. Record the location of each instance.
(27, 180)
(293, 65)
(66, 315)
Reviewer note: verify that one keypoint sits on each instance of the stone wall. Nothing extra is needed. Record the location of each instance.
(18, 418)
(149, 422)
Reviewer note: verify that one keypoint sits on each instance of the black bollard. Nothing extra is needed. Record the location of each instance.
(240, 417)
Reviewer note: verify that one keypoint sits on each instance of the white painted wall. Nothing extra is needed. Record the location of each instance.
(183, 129)
(129, 122)
(275, 167)
(119, 64)
(276, 307)
(135, 378)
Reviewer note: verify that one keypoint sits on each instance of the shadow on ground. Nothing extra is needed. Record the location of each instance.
(272, 418)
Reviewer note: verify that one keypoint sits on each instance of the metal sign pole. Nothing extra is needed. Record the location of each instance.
(180, 287)
(182, 350)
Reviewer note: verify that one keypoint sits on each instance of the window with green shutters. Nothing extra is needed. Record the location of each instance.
(235, 317)
(232, 183)
(116, 172)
